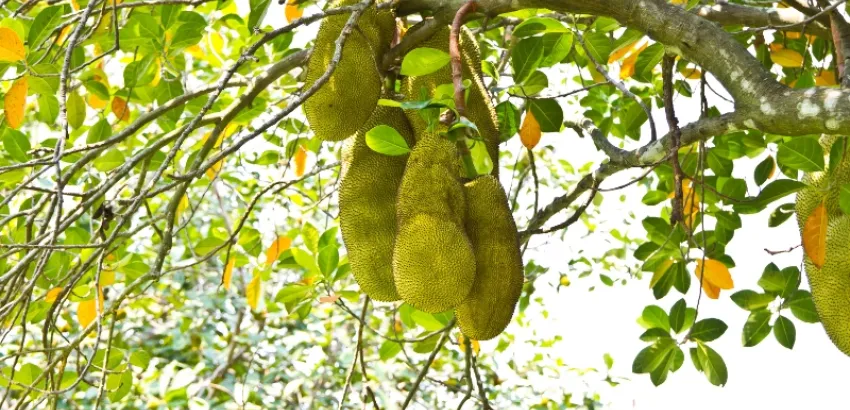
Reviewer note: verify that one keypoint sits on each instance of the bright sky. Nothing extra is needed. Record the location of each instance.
(812, 375)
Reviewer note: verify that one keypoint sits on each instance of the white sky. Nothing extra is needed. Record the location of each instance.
(768, 376)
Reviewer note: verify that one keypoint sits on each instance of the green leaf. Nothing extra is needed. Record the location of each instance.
(305, 260)
(388, 350)
(509, 120)
(599, 46)
(44, 24)
(712, 365)
(721, 166)
(780, 215)
(785, 332)
(756, 328)
(386, 140)
(76, 110)
(140, 359)
(526, 57)
(654, 334)
(328, 259)
(310, 235)
(802, 306)
(258, 12)
(536, 25)
(426, 320)
(752, 300)
(646, 62)
(556, 47)
(424, 60)
(100, 131)
(533, 85)
(654, 317)
(707, 330)
(548, 113)
(208, 245)
(120, 385)
(652, 356)
(677, 315)
(16, 144)
(801, 153)
(48, 109)
(764, 169)
(109, 160)
(609, 361)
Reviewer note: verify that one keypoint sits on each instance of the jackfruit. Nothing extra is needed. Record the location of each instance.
(479, 107)
(367, 209)
(433, 260)
(346, 101)
(831, 285)
(499, 270)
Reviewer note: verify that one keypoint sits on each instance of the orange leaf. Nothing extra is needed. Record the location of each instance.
(277, 247)
(461, 340)
(87, 310)
(529, 132)
(15, 103)
(713, 292)
(120, 109)
(826, 77)
(292, 11)
(787, 58)
(328, 299)
(715, 272)
(228, 273)
(254, 291)
(95, 102)
(11, 46)
(814, 235)
(300, 161)
(627, 69)
(620, 53)
(52, 294)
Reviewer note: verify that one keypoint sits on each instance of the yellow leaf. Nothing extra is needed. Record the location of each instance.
(11, 46)
(215, 41)
(15, 103)
(228, 273)
(679, 2)
(95, 102)
(292, 11)
(277, 247)
(107, 277)
(715, 272)
(88, 309)
(214, 169)
(300, 161)
(157, 75)
(787, 58)
(52, 294)
(595, 74)
(713, 292)
(181, 207)
(75, 5)
(826, 77)
(196, 51)
(254, 291)
(120, 109)
(529, 132)
(691, 73)
(627, 69)
(659, 272)
(814, 235)
(328, 299)
(461, 340)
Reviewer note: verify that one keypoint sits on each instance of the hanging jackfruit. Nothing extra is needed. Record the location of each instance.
(479, 107)
(499, 270)
(346, 101)
(367, 210)
(433, 261)
(831, 284)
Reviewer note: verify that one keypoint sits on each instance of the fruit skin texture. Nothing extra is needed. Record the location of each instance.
(433, 261)
(499, 269)
(354, 87)
(479, 107)
(367, 205)
(830, 285)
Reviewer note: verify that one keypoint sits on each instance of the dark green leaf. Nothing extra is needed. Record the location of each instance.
(785, 332)
(707, 330)
(509, 120)
(526, 57)
(646, 62)
(780, 215)
(802, 306)
(548, 113)
(756, 328)
(752, 300)
(677, 315)
(844, 199)
(801, 153)
(654, 317)
(652, 356)
(712, 365)
(764, 170)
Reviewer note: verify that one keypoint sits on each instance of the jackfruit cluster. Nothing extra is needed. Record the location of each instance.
(479, 107)
(414, 231)
(830, 284)
(346, 101)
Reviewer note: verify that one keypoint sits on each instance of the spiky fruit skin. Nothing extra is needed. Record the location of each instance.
(499, 270)
(831, 284)
(433, 261)
(479, 107)
(367, 205)
(354, 87)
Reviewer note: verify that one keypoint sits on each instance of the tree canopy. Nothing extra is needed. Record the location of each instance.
(169, 232)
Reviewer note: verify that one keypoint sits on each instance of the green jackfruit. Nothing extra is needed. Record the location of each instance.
(354, 87)
(367, 209)
(831, 285)
(433, 261)
(499, 270)
(479, 107)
